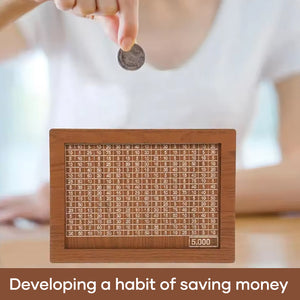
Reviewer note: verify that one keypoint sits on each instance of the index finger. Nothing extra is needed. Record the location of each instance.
(128, 23)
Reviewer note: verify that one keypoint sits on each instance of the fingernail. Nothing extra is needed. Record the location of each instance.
(127, 43)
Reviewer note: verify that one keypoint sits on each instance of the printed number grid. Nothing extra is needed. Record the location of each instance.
(142, 190)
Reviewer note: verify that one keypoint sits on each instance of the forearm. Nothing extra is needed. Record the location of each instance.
(11, 10)
(270, 189)
(12, 42)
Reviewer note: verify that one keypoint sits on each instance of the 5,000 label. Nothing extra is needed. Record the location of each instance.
(203, 242)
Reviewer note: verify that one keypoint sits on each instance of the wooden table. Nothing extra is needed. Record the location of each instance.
(261, 241)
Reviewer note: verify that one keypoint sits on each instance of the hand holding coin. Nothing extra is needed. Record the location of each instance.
(119, 17)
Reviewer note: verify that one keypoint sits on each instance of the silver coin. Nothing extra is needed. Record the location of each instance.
(132, 60)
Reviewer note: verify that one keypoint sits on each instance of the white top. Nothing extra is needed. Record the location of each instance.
(249, 41)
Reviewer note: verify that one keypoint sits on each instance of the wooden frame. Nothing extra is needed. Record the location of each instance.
(225, 138)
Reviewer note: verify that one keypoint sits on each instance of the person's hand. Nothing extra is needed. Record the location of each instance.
(120, 17)
(33, 207)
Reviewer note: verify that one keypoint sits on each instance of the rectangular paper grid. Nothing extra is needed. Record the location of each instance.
(143, 190)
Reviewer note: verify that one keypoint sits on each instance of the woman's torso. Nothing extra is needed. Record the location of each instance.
(214, 88)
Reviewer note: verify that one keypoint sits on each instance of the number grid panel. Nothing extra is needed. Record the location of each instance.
(143, 190)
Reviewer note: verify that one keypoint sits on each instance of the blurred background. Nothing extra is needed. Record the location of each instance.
(24, 106)
(262, 240)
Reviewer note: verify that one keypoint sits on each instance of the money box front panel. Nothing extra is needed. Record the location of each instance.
(128, 192)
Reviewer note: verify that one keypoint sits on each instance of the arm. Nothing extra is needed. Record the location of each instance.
(11, 40)
(11, 10)
(277, 188)
(120, 18)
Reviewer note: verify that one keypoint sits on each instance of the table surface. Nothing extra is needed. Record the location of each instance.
(261, 241)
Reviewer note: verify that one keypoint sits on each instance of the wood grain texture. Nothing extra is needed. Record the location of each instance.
(65, 249)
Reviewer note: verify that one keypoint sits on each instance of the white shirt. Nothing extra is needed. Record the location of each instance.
(248, 42)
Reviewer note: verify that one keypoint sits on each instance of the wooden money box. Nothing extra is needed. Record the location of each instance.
(142, 195)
